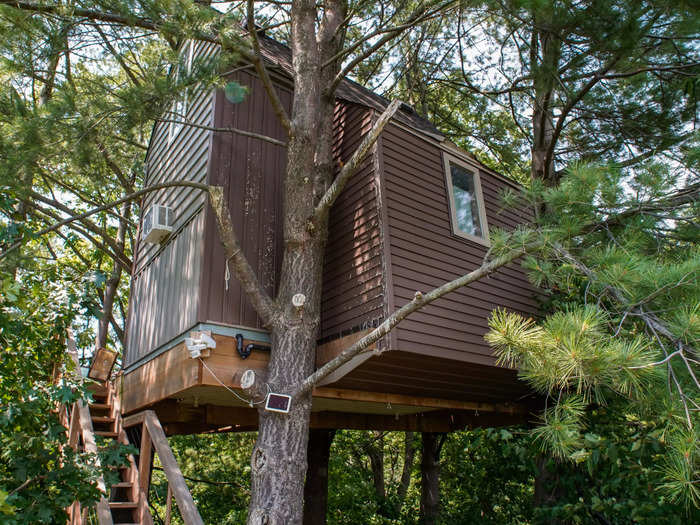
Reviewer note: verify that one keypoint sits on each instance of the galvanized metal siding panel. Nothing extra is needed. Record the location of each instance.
(165, 293)
(251, 172)
(184, 157)
(163, 303)
(425, 253)
(353, 295)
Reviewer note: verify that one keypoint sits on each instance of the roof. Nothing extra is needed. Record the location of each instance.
(279, 55)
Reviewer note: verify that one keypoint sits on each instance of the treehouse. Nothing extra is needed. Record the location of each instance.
(417, 214)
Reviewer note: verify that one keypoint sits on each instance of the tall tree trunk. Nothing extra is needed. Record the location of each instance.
(375, 452)
(545, 53)
(279, 457)
(408, 458)
(112, 283)
(430, 477)
(316, 487)
(548, 489)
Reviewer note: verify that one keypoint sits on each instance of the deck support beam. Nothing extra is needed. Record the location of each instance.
(430, 477)
(316, 486)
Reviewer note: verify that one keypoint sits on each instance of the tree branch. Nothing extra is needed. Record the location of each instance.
(235, 131)
(106, 245)
(419, 301)
(650, 319)
(256, 58)
(682, 197)
(349, 168)
(87, 223)
(104, 16)
(261, 301)
(127, 70)
(416, 17)
(105, 207)
(571, 103)
(382, 31)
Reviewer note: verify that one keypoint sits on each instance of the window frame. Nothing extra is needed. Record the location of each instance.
(175, 127)
(448, 160)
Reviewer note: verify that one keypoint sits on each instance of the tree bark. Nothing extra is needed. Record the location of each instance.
(375, 452)
(545, 52)
(279, 457)
(316, 487)
(430, 477)
(408, 458)
(112, 283)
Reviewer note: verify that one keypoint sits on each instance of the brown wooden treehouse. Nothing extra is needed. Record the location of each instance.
(417, 214)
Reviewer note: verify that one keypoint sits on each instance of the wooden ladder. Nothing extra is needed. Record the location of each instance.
(127, 501)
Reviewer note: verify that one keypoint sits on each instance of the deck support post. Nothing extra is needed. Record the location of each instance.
(430, 477)
(316, 486)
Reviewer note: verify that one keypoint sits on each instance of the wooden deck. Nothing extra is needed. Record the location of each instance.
(189, 397)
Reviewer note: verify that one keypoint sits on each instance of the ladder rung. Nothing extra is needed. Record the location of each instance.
(122, 485)
(105, 433)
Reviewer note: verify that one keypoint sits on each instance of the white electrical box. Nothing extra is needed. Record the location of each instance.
(157, 223)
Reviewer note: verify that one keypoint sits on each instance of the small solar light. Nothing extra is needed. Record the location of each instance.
(278, 403)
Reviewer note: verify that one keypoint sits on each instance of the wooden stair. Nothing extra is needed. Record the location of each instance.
(127, 503)
(100, 424)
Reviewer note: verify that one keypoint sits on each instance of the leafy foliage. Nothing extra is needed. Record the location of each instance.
(622, 328)
(39, 474)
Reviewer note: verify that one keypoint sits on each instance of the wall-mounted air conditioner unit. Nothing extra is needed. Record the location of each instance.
(157, 223)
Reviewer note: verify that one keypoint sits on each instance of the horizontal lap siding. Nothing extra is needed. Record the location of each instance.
(251, 172)
(165, 278)
(425, 254)
(164, 296)
(352, 278)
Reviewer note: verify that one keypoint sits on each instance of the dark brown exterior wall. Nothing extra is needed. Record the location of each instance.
(440, 351)
(352, 280)
(425, 254)
(251, 172)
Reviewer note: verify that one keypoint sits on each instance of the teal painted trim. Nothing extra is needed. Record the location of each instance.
(231, 331)
(218, 329)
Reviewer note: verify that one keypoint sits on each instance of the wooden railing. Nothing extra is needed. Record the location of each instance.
(81, 435)
(80, 425)
(153, 438)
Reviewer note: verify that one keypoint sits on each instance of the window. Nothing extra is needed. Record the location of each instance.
(466, 201)
(179, 109)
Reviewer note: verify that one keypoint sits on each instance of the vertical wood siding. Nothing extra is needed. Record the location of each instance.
(251, 172)
(352, 278)
(425, 254)
(164, 294)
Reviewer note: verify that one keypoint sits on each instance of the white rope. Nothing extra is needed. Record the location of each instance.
(227, 275)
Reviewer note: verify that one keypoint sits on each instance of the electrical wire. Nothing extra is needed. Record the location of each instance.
(249, 402)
